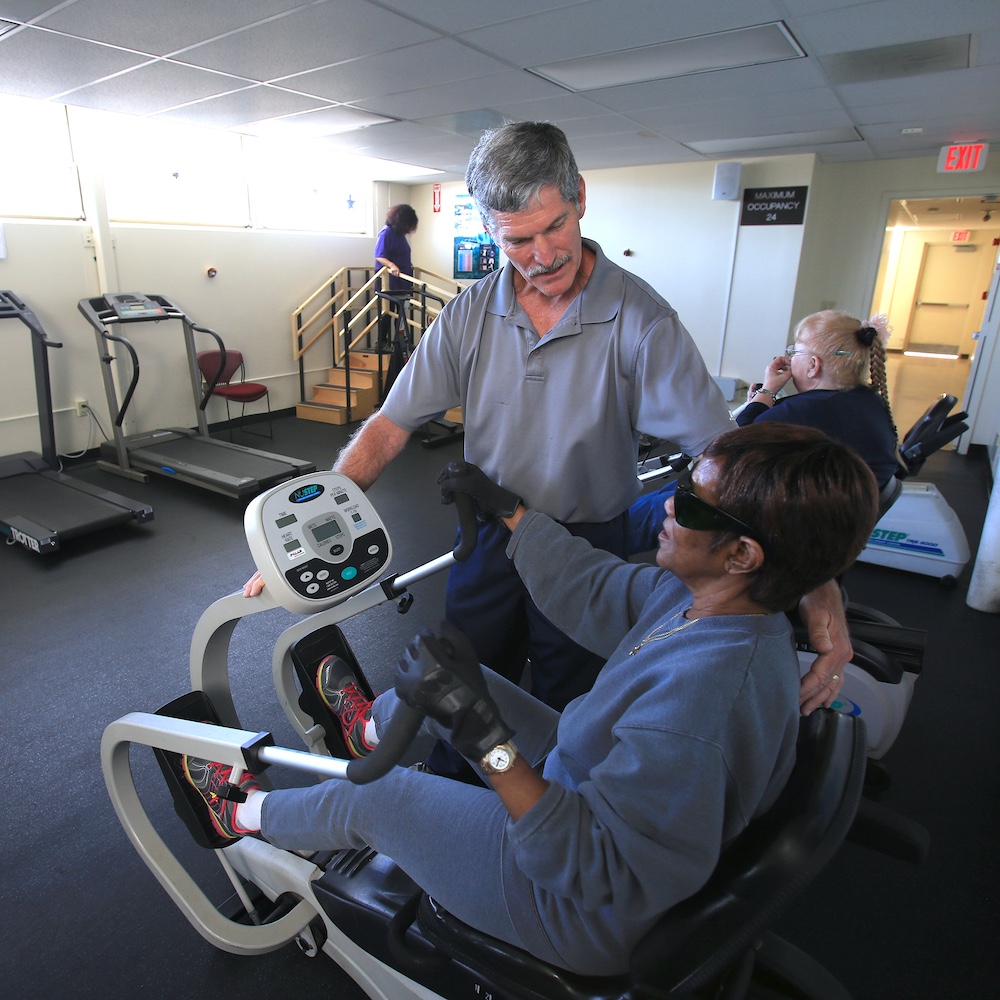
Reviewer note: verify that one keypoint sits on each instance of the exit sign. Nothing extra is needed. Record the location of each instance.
(962, 158)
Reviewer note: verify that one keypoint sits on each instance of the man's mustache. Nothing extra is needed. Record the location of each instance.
(539, 269)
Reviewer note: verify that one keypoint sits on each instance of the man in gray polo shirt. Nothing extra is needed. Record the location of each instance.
(558, 361)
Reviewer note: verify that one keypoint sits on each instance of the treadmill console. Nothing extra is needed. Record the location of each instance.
(316, 540)
(129, 306)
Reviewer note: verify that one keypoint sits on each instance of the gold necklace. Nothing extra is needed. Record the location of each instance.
(656, 635)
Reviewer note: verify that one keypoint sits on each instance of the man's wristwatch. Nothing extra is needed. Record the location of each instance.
(500, 759)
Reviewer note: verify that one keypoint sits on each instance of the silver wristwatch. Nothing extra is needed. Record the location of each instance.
(500, 759)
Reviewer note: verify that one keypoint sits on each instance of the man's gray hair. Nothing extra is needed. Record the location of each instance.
(513, 162)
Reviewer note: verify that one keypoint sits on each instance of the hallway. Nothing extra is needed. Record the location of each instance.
(914, 383)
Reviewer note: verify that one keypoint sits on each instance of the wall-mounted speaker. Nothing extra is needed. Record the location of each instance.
(727, 182)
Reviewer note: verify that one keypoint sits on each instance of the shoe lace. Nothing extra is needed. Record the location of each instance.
(353, 705)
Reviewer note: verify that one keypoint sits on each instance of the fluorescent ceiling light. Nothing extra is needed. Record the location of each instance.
(388, 170)
(762, 43)
(312, 124)
(890, 62)
(783, 140)
(928, 354)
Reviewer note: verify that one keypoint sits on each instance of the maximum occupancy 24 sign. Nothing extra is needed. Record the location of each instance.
(778, 206)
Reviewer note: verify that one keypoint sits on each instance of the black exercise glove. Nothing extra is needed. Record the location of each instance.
(491, 500)
(440, 674)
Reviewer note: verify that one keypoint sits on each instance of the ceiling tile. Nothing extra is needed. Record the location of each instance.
(306, 39)
(512, 86)
(25, 10)
(36, 63)
(250, 105)
(158, 26)
(772, 81)
(599, 26)
(439, 62)
(453, 16)
(890, 22)
(154, 87)
(448, 68)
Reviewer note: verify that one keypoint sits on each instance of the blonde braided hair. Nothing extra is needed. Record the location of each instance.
(844, 342)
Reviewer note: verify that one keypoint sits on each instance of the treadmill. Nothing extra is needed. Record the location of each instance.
(40, 507)
(191, 456)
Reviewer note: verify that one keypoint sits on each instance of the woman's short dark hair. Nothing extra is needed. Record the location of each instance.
(812, 501)
(401, 219)
(512, 163)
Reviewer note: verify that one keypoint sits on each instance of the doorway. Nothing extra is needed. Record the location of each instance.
(934, 273)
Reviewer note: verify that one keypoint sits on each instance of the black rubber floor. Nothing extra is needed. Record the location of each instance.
(103, 628)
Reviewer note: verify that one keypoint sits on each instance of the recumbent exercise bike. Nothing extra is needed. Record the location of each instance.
(357, 906)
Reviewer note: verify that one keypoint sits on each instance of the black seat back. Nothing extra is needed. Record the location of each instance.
(888, 495)
(765, 868)
(932, 431)
(698, 941)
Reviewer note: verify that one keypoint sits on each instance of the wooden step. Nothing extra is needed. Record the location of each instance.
(361, 378)
(360, 399)
(369, 360)
(322, 412)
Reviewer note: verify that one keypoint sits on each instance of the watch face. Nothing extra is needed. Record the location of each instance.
(499, 758)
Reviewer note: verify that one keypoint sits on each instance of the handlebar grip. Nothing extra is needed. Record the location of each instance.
(406, 722)
(468, 529)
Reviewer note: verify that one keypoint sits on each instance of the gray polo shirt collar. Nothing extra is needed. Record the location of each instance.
(599, 301)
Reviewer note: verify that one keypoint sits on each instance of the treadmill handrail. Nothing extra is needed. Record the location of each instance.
(11, 307)
(108, 358)
(222, 363)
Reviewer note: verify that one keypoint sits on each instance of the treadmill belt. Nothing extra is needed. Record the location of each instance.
(215, 456)
(58, 507)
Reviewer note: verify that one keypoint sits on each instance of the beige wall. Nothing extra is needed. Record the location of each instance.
(262, 277)
(739, 291)
(731, 286)
(849, 205)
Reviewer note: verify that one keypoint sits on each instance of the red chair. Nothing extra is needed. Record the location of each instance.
(217, 369)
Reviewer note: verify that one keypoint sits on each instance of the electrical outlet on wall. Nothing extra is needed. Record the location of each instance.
(81, 407)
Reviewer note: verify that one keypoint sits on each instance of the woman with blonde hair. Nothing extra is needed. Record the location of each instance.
(837, 367)
(826, 364)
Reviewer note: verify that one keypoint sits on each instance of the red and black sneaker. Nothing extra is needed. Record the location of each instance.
(211, 780)
(338, 687)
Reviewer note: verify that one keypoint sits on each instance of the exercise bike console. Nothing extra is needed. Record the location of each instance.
(316, 541)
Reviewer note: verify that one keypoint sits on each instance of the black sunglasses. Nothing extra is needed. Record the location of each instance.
(690, 511)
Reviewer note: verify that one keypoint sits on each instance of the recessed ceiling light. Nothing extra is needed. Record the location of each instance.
(762, 43)
(783, 140)
(311, 124)
(890, 62)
